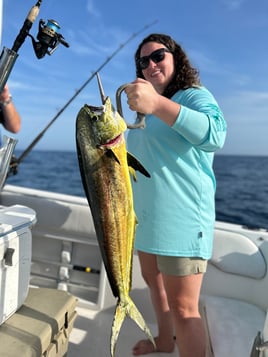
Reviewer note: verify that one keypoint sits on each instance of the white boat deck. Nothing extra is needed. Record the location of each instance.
(91, 336)
(234, 290)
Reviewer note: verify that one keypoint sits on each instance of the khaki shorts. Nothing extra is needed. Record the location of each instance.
(181, 266)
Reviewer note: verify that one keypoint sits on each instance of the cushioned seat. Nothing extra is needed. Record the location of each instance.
(232, 325)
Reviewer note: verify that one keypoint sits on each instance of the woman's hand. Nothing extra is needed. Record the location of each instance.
(142, 97)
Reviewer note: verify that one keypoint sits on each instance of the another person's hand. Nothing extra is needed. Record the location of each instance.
(10, 117)
(5, 96)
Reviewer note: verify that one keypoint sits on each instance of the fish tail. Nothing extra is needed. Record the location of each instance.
(123, 309)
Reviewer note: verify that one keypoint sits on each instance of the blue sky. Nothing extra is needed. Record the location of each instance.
(225, 39)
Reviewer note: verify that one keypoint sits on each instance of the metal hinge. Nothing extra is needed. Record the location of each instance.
(8, 256)
(258, 346)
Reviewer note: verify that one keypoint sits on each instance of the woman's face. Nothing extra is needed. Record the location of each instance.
(159, 74)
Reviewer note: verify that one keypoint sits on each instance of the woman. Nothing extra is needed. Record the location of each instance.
(175, 207)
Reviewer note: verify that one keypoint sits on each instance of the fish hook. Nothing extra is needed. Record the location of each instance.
(140, 116)
(140, 123)
(103, 96)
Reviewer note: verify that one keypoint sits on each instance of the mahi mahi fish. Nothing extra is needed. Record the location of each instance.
(105, 167)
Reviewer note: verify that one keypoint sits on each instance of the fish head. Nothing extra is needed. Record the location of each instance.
(106, 123)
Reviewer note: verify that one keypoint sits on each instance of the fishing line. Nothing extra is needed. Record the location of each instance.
(16, 161)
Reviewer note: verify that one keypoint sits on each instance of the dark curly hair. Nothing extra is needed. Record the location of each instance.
(186, 75)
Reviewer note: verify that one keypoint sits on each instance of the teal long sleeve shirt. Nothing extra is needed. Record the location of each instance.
(175, 207)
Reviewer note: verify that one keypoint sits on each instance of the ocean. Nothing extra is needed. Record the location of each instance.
(242, 185)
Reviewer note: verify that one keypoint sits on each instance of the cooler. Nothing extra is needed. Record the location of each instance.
(15, 257)
(41, 327)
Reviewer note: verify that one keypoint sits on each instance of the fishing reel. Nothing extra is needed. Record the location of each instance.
(48, 38)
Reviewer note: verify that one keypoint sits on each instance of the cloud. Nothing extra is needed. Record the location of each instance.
(91, 9)
(233, 4)
(92, 40)
(246, 108)
(18, 85)
(212, 70)
(204, 62)
(246, 113)
(212, 66)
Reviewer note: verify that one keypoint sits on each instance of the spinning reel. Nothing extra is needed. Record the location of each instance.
(49, 38)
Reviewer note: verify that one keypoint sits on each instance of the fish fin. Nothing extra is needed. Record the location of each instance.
(123, 309)
(136, 165)
(133, 173)
(112, 155)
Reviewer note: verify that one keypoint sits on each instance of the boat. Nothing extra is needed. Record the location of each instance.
(66, 257)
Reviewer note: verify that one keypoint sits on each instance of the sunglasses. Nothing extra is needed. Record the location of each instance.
(156, 56)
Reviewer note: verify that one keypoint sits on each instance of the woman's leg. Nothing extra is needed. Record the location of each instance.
(183, 296)
(153, 278)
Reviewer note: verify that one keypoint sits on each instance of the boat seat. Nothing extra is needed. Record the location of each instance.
(231, 325)
(41, 327)
(235, 253)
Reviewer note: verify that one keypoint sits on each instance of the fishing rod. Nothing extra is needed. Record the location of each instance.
(48, 38)
(16, 161)
(83, 268)
(9, 56)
